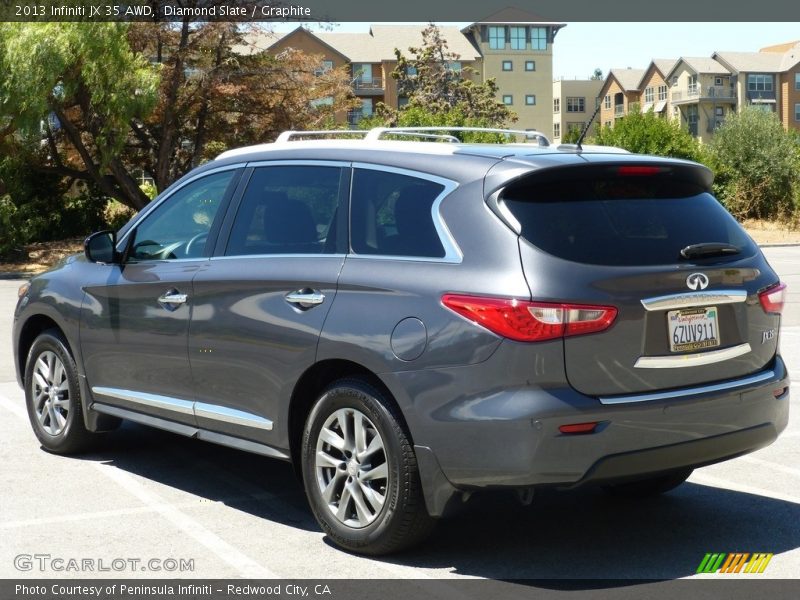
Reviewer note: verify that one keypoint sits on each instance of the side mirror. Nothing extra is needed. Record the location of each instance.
(100, 247)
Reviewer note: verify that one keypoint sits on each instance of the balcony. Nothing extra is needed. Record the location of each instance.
(696, 93)
(368, 85)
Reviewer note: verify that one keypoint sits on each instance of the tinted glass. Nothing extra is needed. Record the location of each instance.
(634, 220)
(179, 227)
(287, 210)
(391, 215)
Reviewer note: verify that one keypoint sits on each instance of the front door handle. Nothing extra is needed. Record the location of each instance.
(305, 298)
(173, 297)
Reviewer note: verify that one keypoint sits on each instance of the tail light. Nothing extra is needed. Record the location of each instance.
(525, 321)
(772, 298)
(634, 170)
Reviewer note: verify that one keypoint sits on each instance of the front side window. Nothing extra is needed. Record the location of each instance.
(179, 227)
(288, 209)
(539, 38)
(497, 38)
(392, 215)
(575, 104)
(518, 38)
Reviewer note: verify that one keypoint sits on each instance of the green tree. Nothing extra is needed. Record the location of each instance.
(757, 165)
(649, 133)
(441, 92)
(597, 75)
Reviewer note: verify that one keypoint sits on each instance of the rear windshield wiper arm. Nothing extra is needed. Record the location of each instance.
(709, 249)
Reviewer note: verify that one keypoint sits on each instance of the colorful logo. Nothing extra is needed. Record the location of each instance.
(734, 562)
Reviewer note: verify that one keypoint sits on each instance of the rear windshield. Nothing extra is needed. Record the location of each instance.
(623, 220)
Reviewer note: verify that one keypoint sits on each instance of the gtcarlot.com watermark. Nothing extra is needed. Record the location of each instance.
(44, 563)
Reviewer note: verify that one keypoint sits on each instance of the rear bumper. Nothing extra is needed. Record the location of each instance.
(510, 437)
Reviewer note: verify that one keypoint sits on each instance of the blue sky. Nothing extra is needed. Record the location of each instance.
(581, 47)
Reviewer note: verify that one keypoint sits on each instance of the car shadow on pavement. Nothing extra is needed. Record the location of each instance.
(590, 535)
(257, 485)
(563, 535)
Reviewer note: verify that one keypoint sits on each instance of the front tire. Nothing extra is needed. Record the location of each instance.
(360, 471)
(53, 397)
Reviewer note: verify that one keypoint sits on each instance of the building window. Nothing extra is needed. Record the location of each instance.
(662, 92)
(497, 38)
(719, 111)
(797, 112)
(797, 81)
(674, 81)
(402, 101)
(530, 65)
(326, 66)
(454, 66)
(607, 124)
(576, 105)
(411, 71)
(518, 38)
(530, 99)
(571, 127)
(718, 80)
(607, 101)
(759, 83)
(508, 99)
(556, 105)
(508, 65)
(556, 129)
(538, 38)
(649, 95)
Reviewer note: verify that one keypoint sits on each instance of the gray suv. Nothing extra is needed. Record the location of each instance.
(409, 320)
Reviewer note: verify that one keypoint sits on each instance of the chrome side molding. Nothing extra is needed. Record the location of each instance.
(692, 391)
(187, 407)
(690, 299)
(680, 361)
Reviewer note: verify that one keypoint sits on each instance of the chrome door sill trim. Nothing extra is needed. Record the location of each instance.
(230, 415)
(187, 407)
(189, 431)
(184, 407)
(690, 299)
(691, 360)
(693, 391)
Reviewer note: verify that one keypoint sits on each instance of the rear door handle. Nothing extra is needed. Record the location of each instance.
(305, 298)
(173, 297)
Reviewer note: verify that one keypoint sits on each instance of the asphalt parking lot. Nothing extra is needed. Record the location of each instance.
(221, 513)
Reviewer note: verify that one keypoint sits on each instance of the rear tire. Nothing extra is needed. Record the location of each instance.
(652, 486)
(53, 396)
(360, 471)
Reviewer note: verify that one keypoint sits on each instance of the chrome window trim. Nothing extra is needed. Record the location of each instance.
(692, 391)
(299, 162)
(187, 407)
(691, 360)
(452, 253)
(184, 407)
(167, 194)
(309, 255)
(690, 299)
(230, 415)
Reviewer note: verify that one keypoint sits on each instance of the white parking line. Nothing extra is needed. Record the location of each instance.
(245, 566)
(720, 482)
(772, 465)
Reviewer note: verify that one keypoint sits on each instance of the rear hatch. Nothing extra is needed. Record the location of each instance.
(649, 239)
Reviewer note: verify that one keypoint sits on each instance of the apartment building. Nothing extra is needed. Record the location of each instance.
(702, 91)
(512, 47)
(619, 91)
(574, 103)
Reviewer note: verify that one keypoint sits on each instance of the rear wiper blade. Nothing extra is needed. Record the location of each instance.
(709, 249)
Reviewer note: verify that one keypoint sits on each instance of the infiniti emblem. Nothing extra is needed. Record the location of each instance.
(697, 281)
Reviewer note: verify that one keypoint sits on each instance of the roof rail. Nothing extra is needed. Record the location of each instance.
(287, 136)
(427, 136)
(378, 132)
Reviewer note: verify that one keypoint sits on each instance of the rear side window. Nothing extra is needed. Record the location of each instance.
(599, 217)
(287, 210)
(391, 215)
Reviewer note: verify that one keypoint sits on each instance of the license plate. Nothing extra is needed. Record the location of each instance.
(693, 329)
